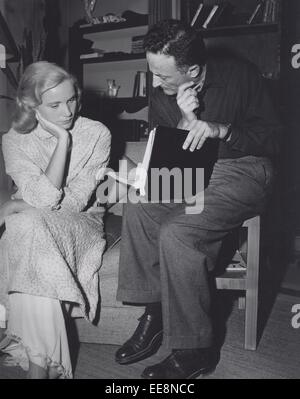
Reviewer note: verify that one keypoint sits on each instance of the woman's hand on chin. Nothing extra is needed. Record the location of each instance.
(57, 131)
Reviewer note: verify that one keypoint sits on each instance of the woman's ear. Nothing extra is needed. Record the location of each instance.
(194, 71)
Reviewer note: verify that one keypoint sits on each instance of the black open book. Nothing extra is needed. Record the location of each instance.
(164, 150)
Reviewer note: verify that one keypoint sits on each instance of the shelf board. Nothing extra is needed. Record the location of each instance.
(239, 30)
(108, 27)
(114, 58)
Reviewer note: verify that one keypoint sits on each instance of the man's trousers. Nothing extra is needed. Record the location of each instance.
(167, 254)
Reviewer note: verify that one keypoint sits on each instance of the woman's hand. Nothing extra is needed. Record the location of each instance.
(5, 210)
(12, 206)
(56, 130)
(19, 205)
(56, 168)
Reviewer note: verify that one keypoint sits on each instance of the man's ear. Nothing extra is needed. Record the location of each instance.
(194, 71)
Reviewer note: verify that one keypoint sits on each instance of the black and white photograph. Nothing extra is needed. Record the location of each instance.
(149, 192)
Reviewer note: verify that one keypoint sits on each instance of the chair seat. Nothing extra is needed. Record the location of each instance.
(232, 280)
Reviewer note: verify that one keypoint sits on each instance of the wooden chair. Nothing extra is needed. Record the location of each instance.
(246, 280)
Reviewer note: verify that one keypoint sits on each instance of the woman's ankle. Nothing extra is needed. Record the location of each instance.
(2, 333)
(53, 373)
(36, 372)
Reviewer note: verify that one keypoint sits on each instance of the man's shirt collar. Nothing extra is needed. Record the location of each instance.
(213, 76)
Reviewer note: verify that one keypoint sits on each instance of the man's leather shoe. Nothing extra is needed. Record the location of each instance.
(183, 364)
(144, 342)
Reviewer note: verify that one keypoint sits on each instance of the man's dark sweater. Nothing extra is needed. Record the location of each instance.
(234, 93)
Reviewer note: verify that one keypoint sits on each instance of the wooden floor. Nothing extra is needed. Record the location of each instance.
(277, 357)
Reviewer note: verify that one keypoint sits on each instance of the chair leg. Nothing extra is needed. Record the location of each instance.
(252, 284)
(251, 320)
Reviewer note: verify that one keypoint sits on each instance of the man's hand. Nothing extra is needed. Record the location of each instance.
(199, 131)
(187, 101)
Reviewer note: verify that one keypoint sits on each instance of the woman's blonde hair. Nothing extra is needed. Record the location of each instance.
(36, 80)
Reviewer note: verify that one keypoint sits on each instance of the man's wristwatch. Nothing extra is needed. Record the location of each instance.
(229, 131)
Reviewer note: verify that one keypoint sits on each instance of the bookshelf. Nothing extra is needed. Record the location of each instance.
(239, 30)
(108, 27)
(118, 55)
(113, 47)
(220, 13)
(112, 56)
(247, 30)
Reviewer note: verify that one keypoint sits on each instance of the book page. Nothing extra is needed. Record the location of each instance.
(137, 179)
(142, 169)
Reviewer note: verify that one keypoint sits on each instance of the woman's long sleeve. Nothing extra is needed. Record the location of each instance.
(34, 186)
(78, 190)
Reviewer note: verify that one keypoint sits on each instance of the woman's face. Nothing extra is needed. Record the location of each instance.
(59, 104)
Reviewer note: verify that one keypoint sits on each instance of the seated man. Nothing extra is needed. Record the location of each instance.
(166, 252)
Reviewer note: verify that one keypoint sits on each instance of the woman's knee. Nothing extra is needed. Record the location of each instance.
(25, 221)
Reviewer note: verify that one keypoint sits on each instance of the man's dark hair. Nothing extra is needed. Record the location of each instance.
(175, 38)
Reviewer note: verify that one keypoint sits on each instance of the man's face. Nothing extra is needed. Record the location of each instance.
(165, 73)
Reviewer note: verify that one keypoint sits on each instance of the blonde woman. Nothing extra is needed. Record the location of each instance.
(52, 247)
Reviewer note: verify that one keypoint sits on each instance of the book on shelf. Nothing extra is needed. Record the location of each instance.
(266, 12)
(164, 150)
(188, 9)
(270, 11)
(140, 88)
(136, 85)
(275, 11)
(201, 5)
(210, 16)
(143, 84)
(201, 15)
(257, 14)
(137, 46)
(221, 15)
(95, 54)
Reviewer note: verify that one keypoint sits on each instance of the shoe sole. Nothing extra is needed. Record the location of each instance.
(201, 373)
(198, 373)
(153, 347)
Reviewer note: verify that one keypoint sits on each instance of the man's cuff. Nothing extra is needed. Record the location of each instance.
(228, 133)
